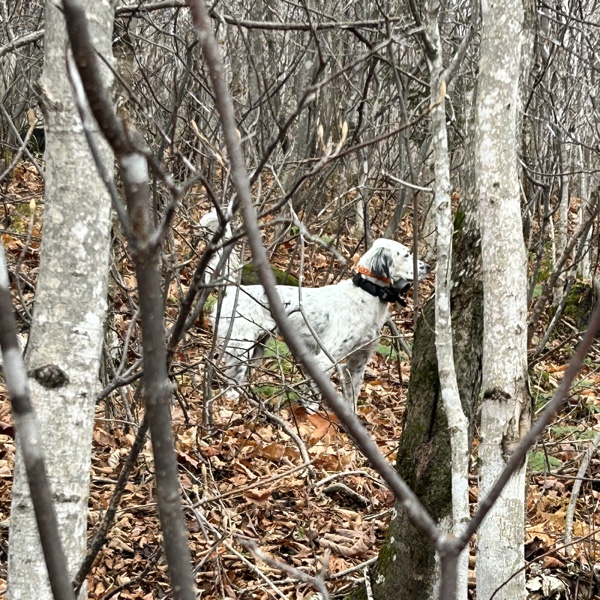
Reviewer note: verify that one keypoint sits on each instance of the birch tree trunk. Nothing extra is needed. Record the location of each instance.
(67, 330)
(505, 412)
(562, 224)
(458, 424)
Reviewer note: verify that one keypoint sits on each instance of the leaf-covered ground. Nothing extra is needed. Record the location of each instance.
(263, 469)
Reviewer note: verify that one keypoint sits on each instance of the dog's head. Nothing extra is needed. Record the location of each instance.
(209, 225)
(390, 263)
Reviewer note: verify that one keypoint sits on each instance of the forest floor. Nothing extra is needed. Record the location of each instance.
(267, 470)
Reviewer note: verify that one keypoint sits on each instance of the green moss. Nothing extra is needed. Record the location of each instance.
(265, 390)
(545, 270)
(359, 593)
(387, 351)
(386, 556)
(459, 219)
(278, 350)
(268, 391)
(579, 304)
(249, 276)
(541, 399)
(537, 291)
(572, 432)
(210, 303)
(539, 462)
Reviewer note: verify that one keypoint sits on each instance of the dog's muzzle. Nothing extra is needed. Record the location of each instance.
(402, 285)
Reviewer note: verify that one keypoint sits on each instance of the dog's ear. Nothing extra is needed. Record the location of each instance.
(381, 264)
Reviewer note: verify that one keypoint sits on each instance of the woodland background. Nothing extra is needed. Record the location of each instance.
(333, 108)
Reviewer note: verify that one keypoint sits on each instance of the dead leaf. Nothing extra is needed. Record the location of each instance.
(258, 496)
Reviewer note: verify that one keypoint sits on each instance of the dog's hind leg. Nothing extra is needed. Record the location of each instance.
(236, 357)
(239, 358)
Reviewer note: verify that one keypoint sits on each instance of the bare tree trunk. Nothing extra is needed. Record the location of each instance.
(67, 330)
(458, 424)
(584, 209)
(506, 409)
(563, 218)
(28, 432)
(407, 568)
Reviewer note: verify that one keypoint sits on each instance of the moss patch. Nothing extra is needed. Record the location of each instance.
(250, 277)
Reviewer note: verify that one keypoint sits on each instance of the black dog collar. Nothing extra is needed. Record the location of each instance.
(385, 294)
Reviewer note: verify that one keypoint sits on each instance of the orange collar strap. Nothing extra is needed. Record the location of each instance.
(364, 271)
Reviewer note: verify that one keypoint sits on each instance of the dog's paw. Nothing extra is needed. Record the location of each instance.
(311, 406)
(232, 394)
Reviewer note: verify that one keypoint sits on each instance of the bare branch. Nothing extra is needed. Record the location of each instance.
(22, 41)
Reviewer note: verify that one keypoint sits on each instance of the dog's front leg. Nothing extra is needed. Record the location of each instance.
(327, 365)
(354, 371)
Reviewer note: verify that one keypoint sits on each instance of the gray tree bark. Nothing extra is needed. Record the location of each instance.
(458, 424)
(406, 569)
(562, 224)
(505, 415)
(67, 330)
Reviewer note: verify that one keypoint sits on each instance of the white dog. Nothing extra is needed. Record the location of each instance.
(338, 323)
(209, 225)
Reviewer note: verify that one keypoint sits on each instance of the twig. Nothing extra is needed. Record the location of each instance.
(326, 480)
(423, 521)
(549, 285)
(541, 556)
(130, 152)
(260, 482)
(203, 521)
(316, 582)
(107, 177)
(342, 488)
(22, 148)
(368, 587)
(21, 41)
(398, 335)
(516, 459)
(101, 531)
(153, 560)
(412, 186)
(585, 463)
(360, 567)
(304, 232)
(289, 431)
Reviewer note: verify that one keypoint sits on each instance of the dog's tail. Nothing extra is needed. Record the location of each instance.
(230, 271)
